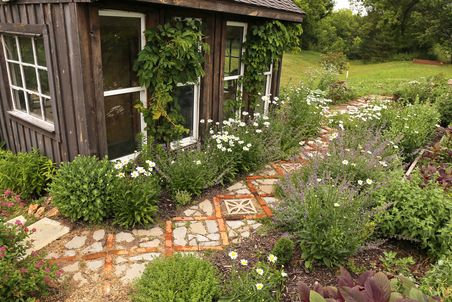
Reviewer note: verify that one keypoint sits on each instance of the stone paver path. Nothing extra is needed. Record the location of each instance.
(98, 257)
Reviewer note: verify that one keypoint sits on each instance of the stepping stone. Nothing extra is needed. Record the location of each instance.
(93, 248)
(206, 207)
(198, 228)
(71, 268)
(133, 272)
(94, 265)
(153, 243)
(18, 218)
(180, 233)
(47, 231)
(145, 257)
(76, 242)
(154, 232)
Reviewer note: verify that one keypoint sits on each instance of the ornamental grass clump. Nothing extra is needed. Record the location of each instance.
(329, 218)
(23, 278)
(177, 278)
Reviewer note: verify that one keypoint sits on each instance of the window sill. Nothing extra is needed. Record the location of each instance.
(183, 143)
(33, 121)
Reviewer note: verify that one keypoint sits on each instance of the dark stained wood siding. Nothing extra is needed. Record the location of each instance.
(75, 73)
(67, 84)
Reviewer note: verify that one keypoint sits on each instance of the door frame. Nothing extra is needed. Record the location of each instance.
(142, 90)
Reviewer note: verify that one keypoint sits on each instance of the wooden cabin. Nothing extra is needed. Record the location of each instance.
(67, 84)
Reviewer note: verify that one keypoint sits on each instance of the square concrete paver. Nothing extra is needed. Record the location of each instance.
(47, 231)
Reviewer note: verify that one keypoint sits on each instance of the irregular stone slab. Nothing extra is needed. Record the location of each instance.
(179, 233)
(93, 248)
(206, 207)
(76, 242)
(235, 224)
(18, 218)
(145, 257)
(212, 226)
(47, 231)
(120, 259)
(78, 277)
(198, 228)
(94, 265)
(123, 236)
(154, 232)
(69, 253)
(133, 272)
(71, 268)
(99, 235)
(153, 243)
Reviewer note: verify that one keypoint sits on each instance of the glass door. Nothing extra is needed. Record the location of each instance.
(122, 37)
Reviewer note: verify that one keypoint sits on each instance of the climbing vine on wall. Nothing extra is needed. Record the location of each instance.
(265, 44)
(174, 53)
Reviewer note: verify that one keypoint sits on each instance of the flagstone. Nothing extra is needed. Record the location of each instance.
(99, 235)
(18, 218)
(93, 248)
(71, 268)
(124, 237)
(47, 231)
(95, 264)
(206, 207)
(153, 243)
(197, 228)
(76, 242)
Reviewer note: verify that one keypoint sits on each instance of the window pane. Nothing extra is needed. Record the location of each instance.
(19, 100)
(185, 101)
(34, 105)
(11, 48)
(26, 50)
(233, 51)
(40, 52)
(232, 102)
(44, 80)
(30, 78)
(123, 124)
(120, 38)
(48, 110)
(14, 70)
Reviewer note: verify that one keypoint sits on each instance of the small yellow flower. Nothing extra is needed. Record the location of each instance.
(244, 262)
(259, 286)
(272, 258)
(233, 255)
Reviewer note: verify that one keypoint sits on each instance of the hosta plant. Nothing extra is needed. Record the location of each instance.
(369, 287)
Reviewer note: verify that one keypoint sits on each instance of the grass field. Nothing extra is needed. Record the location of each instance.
(375, 78)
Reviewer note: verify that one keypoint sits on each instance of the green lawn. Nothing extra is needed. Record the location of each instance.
(376, 78)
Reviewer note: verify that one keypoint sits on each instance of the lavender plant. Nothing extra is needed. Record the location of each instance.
(330, 218)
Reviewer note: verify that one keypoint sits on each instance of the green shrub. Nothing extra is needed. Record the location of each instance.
(334, 61)
(421, 214)
(22, 279)
(191, 171)
(27, 174)
(443, 105)
(177, 278)
(329, 218)
(284, 249)
(396, 265)
(438, 280)
(183, 198)
(340, 92)
(84, 189)
(135, 201)
(298, 118)
(412, 125)
(261, 282)
(424, 90)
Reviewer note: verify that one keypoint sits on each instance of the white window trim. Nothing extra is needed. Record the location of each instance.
(193, 139)
(141, 90)
(268, 88)
(242, 65)
(27, 116)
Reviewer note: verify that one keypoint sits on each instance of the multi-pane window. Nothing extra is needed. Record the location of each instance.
(28, 76)
(233, 68)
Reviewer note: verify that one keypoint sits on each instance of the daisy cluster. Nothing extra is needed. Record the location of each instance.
(365, 113)
(258, 270)
(125, 167)
(318, 99)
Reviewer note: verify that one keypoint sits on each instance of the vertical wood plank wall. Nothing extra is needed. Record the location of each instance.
(70, 136)
(76, 63)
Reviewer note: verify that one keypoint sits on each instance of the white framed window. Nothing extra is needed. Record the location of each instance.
(28, 78)
(234, 68)
(122, 38)
(187, 100)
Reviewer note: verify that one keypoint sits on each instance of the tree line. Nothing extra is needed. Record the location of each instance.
(381, 30)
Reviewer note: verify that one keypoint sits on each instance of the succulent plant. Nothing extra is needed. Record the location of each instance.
(369, 287)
